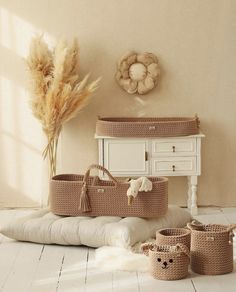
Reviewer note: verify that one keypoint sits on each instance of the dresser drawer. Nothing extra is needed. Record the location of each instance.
(173, 147)
(174, 166)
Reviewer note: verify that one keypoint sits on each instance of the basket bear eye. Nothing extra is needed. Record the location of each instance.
(171, 261)
(159, 260)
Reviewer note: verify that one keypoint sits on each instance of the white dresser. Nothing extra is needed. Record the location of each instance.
(177, 156)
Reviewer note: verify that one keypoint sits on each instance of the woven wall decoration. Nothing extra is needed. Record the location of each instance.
(138, 73)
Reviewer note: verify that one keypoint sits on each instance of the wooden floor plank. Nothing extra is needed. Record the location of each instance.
(125, 281)
(231, 217)
(231, 210)
(209, 210)
(8, 254)
(97, 280)
(147, 284)
(73, 271)
(221, 283)
(212, 218)
(47, 273)
(23, 270)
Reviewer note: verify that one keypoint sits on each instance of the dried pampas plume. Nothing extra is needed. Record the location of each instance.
(57, 93)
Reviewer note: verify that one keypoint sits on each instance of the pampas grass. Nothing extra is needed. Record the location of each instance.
(57, 92)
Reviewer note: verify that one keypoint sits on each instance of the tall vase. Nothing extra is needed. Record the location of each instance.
(51, 153)
(52, 156)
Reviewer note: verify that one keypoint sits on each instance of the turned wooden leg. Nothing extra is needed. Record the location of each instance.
(189, 193)
(193, 208)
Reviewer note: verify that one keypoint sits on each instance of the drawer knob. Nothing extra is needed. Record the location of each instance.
(173, 148)
(173, 167)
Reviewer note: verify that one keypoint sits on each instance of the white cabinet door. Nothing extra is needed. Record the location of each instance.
(126, 157)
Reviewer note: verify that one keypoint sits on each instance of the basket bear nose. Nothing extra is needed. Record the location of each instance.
(165, 263)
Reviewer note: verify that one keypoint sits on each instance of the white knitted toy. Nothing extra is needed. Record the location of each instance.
(142, 184)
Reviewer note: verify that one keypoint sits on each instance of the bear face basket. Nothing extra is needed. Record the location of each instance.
(167, 262)
(172, 236)
(85, 195)
(211, 248)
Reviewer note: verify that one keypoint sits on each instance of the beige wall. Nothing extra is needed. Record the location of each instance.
(196, 44)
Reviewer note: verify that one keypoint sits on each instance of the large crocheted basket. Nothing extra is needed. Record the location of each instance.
(147, 127)
(85, 195)
(211, 248)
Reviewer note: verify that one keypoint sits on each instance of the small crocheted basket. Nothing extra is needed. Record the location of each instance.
(167, 262)
(172, 236)
(211, 248)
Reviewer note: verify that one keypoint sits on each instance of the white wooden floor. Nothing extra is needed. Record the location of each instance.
(28, 267)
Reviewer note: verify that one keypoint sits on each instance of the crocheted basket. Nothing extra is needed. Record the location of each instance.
(147, 127)
(211, 248)
(74, 195)
(172, 236)
(167, 262)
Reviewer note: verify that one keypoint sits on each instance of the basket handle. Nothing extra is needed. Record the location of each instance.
(231, 234)
(194, 225)
(84, 199)
(197, 120)
(183, 248)
(99, 167)
(231, 227)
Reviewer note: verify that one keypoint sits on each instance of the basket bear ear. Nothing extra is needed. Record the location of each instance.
(182, 248)
(145, 247)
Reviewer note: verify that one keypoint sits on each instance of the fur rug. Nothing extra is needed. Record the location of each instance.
(113, 258)
(120, 259)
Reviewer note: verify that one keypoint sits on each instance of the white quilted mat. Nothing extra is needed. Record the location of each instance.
(44, 227)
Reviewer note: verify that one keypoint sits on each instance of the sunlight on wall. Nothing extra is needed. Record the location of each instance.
(21, 143)
(16, 33)
(23, 172)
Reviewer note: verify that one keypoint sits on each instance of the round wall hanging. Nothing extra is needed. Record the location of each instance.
(138, 73)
